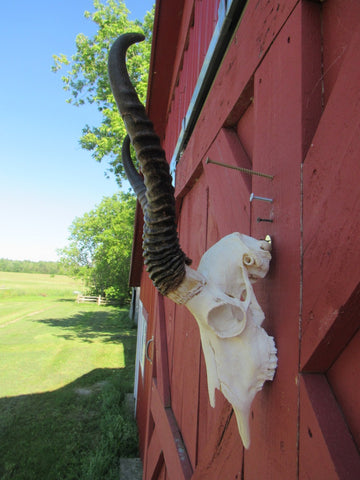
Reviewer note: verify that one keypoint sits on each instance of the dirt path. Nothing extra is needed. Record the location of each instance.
(22, 317)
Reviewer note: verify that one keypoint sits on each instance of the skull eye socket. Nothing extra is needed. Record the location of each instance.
(247, 260)
(227, 320)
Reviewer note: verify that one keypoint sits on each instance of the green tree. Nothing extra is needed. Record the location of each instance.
(86, 78)
(100, 244)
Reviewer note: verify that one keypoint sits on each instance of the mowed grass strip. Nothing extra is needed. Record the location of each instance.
(57, 343)
(25, 293)
(65, 369)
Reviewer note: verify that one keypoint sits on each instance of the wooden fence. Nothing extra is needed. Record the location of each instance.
(92, 299)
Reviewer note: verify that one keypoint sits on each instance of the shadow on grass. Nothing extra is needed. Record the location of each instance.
(65, 300)
(109, 325)
(80, 430)
(76, 432)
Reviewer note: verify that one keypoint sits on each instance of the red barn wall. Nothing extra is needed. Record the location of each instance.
(286, 102)
(199, 20)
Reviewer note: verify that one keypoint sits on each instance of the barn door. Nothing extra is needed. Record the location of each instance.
(165, 453)
(296, 116)
(330, 343)
(307, 134)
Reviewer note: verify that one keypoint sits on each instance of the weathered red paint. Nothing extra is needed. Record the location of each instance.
(165, 39)
(198, 24)
(343, 377)
(278, 151)
(331, 203)
(327, 449)
(286, 102)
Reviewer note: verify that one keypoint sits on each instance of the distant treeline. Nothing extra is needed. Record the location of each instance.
(27, 266)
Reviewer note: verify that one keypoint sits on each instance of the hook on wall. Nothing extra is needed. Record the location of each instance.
(264, 199)
(147, 349)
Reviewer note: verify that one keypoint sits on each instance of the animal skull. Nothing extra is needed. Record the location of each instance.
(239, 354)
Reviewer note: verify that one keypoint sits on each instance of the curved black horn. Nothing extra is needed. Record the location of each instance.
(135, 179)
(164, 258)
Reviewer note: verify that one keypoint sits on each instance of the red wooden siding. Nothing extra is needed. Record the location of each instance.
(338, 21)
(331, 280)
(201, 17)
(285, 102)
(144, 381)
(344, 376)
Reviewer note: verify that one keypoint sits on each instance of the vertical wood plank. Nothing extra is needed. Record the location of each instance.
(224, 459)
(218, 422)
(144, 383)
(186, 345)
(278, 151)
(223, 216)
(161, 352)
(170, 315)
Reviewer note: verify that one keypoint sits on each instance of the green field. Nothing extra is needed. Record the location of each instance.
(65, 369)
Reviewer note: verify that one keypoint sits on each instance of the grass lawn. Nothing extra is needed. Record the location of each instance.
(65, 369)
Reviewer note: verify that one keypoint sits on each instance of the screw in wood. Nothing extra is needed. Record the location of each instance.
(264, 220)
(264, 199)
(241, 169)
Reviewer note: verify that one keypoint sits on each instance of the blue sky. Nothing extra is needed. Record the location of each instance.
(46, 179)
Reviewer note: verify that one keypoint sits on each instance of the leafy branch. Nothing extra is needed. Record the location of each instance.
(85, 77)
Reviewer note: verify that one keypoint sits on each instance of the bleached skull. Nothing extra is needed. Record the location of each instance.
(239, 354)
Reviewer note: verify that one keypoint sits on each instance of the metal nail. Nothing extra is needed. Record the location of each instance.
(264, 199)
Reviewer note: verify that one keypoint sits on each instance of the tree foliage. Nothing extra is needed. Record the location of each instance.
(100, 244)
(86, 78)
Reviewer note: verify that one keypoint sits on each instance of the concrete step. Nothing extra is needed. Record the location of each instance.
(130, 469)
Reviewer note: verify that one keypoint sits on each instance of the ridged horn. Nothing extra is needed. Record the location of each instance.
(135, 179)
(164, 259)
